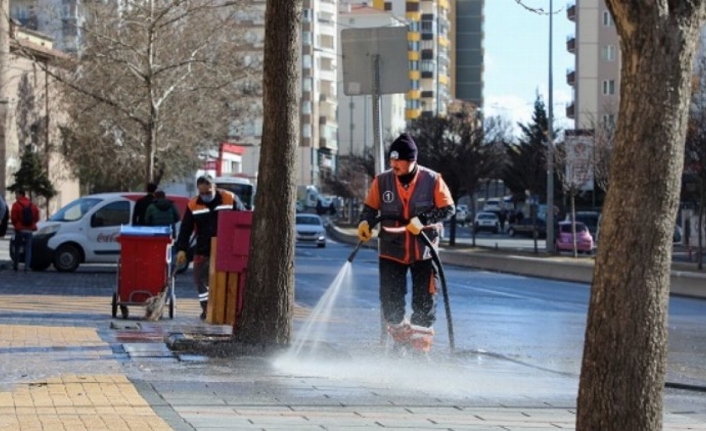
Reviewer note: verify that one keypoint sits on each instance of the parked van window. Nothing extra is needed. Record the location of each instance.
(113, 214)
(75, 210)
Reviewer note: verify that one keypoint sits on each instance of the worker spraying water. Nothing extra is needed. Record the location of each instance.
(416, 198)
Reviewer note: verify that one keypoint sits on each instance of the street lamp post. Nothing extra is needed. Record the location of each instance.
(550, 142)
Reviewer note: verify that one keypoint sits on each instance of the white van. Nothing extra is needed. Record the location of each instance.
(86, 231)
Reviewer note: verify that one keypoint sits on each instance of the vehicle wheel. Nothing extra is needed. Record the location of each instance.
(321, 245)
(67, 258)
(172, 308)
(124, 311)
(511, 232)
(114, 305)
(495, 230)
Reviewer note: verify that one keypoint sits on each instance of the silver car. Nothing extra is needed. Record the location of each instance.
(310, 230)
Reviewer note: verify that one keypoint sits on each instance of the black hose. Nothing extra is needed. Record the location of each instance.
(444, 289)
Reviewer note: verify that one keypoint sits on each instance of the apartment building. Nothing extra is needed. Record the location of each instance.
(429, 53)
(59, 19)
(468, 54)
(355, 113)
(319, 128)
(595, 78)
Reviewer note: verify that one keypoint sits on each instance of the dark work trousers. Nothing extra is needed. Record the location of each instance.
(393, 289)
(201, 264)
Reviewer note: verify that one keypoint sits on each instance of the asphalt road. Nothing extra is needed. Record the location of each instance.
(539, 323)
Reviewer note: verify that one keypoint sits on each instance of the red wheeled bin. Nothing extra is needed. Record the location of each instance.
(143, 268)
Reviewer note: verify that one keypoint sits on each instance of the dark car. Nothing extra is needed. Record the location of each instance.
(526, 228)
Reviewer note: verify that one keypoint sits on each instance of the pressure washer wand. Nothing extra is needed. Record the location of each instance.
(355, 251)
(360, 243)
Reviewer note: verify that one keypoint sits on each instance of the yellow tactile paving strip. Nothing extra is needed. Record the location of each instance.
(82, 304)
(48, 336)
(69, 401)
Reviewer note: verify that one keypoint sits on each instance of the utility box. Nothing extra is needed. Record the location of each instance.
(229, 262)
(233, 248)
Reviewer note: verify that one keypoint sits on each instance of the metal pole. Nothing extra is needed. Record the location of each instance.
(550, 142)
(379, 156)
(377, 122)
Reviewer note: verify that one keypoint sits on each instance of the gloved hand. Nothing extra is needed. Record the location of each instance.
(364, 231)
(415, 226)
(181, 258)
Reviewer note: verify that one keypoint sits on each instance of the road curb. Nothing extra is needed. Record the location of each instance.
(683, 283)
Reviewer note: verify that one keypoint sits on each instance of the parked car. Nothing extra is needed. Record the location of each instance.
(493, 204)
(526, 227)
(310, 230)
(86, 231)
(589, 218)
(565, 242)
(486, 221)
(463, 216)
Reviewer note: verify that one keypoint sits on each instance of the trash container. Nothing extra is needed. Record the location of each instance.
(143, 268)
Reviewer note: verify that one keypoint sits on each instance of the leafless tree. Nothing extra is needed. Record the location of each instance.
(158, 82)
(573, 160)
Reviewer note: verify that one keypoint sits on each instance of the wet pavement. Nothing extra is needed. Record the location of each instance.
(66, 364)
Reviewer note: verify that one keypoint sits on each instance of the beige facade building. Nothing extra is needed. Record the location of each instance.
(595, 77)
(28, 50)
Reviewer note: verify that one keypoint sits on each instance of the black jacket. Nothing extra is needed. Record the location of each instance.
(138, 216)
(202, 218)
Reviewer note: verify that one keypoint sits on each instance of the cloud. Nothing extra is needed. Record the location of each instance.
(519, 110)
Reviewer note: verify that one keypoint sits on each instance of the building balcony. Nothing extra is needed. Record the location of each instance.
(571, 12)
(427, 54)
(414, 94)
(412, 114)
(570, 110)
(571, 44)
(571, 77)
(413, 55)
(427, 94)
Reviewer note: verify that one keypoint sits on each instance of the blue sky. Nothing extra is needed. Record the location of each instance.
(517, 59)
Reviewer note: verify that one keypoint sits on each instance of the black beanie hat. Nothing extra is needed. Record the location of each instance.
(403, 148)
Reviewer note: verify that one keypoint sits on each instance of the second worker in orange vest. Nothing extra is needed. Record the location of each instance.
(418, 198)
(201, 218)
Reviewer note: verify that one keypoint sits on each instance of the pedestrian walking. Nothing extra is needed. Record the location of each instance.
(162, 212)
(201, 217)
(24, 216)
(138, 215)
(416, 197)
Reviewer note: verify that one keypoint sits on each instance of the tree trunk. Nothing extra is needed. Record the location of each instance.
(269, 294)
(624, 362)
(573, 224)
(4, 91)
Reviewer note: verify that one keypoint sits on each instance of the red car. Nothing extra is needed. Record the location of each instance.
(565, 242)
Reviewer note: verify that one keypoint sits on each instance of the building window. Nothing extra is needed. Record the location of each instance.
(607, 19)
(609, 87)
(388, 6)
(306, 131)
(412, 7)
(414, 26)
(414, 45)
(414, 65)
(609, 121)
(306, 107)
(427, 66)
(414, 84)
(608, 53)
(427, 44)
(307, 15)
